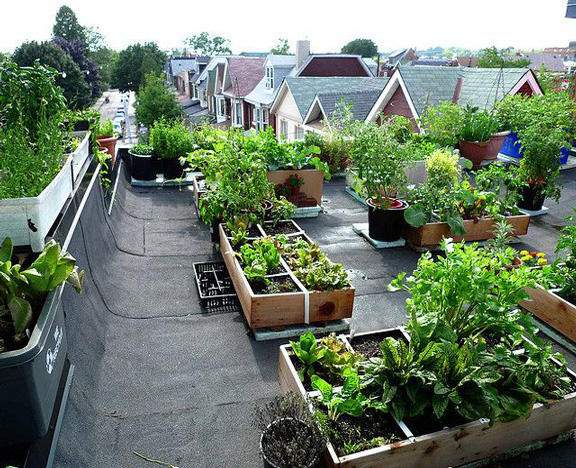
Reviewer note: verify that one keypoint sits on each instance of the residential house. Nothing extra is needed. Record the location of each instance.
(296, 95)
(470, 61)
(303, 64)
(178, 73)
(411, 89)
(552, 62)
(390, 61)
(568, 54)
(203, 86)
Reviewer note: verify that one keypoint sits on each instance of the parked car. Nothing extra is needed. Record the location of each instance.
(118, 127)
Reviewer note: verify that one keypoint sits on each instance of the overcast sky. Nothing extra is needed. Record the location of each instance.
(256, 25)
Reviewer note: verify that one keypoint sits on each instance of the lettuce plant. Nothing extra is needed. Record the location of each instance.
(308, 352)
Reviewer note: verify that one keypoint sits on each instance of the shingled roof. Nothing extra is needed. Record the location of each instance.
(305, 89)
(360, 102)
(244, 73)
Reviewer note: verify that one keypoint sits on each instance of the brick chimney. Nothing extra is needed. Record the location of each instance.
(457, 90)
(302, 52)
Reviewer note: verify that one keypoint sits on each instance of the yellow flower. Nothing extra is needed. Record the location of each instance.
(526, 258)
(541, 255)
(542, 261)
(524, 253)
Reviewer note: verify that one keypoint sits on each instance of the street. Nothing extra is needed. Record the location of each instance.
(108, 110)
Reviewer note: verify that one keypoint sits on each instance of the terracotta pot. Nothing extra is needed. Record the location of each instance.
(110, 144)
(496, 142)
(475, 151)
(295, 190)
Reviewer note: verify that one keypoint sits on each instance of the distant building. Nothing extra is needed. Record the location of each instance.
(471, 61)
(552, 62)
(390, 61)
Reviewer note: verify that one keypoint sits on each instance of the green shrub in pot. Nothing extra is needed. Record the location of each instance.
(23, 290)
(477, 125)
(106, 129)
(171, 140)
(443, 123)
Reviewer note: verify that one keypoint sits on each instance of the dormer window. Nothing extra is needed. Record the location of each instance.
(269, 78)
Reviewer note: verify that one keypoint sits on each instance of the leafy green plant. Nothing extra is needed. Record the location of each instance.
(171, 140)
(308, 352)
(295, 181)
(477, 125)
(259, 259)
(337, 358)
(23, 290)
(156, 101)
(143, 150)
(282, 209)
(443, 123)
(348, 400)
(239, 229)
(567, 241)
(106, 129)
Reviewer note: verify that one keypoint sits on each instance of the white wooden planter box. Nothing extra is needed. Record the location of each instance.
(80, 155)
(28, 220)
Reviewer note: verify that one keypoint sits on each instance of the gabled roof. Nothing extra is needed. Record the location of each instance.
(281, 61)
(552, 62)
(305, 89)
(180, 64)
(261, 95)
(214, 61)
(325, 104)
(371, 64)
(242, 75)
(429, 85)
(312, 57)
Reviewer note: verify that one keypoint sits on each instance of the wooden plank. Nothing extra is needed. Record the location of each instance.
(313, 181)
(287, 375)
(552, 309)
(431, 234)
(331, 305)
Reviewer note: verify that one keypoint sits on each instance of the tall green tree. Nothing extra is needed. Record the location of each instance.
(363, 47)
(67, 25)
(205, 44)
(492, 58)
(281, 47)
(155, 101)
(134, 62)
(70, 78)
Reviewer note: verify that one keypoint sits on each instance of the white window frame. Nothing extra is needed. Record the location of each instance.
(194, 91)
(298, 132)
(270, 78)
(238, 117)
(265, 116)
(221, 108)
(256, 118)
(284, 128)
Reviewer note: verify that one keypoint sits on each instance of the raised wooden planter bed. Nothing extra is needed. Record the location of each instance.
(198, 192)
(553, 310)
(280, 310)
(431, 234)
(28, 220)
(448, 447)
(313, 181)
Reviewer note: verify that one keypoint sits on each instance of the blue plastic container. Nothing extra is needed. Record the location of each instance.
(564, 156)
(511, 146)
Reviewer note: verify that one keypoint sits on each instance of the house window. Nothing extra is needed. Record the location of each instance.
(265, 119)
(299, 133)
(194, 92)
(256, 121)
(238, 117)
(221, 107)
(269, 78)
(284, 128)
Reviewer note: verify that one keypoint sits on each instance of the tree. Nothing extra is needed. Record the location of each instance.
(134, 62)
(205, 44)
(281, 47)
(105, 59)
(156, 100)
(70, 78)
(363, 47)
(76, 49)
(492, 58)
(67, 26)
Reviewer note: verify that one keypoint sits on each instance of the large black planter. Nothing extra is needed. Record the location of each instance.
(172, 168)
(530, 199)
(385, 225)
(143, 166)
(301, 427)
(29, 377)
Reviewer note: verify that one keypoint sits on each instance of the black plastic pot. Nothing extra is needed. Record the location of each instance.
(304, 427)
(143, 166)
(215, 232)
(29, 377)
(268, 210)
(530, 199)
(82, 126)
(385, 225)
(172, 168)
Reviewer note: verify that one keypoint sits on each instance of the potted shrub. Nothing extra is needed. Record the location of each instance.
(540, 166)
(142, 162)
(171, 142)
(477, 129)
(32, 340)
(379, 160)
(106, 138)
(290, 436)
(443, 123)
(36, 177)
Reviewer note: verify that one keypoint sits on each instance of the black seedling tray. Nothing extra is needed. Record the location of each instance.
(215, 287)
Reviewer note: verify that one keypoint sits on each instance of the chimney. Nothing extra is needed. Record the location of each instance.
(457, 90)
(302, 52)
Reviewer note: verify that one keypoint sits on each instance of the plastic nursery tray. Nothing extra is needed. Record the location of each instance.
(215, 287)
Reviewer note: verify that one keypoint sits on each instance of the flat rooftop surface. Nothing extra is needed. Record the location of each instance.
(157, 375)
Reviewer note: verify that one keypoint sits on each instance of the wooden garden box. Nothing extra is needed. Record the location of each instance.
(197, 191)
(553, 310)
(280, 310)
(431, 234)
(454, 446)
(313, 181)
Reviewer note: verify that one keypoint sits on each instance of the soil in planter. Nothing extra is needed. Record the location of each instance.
(427, 424)
(7, 340)
(252, 231)
(351, 435)
(369, 345)
(332, 379)
(283, 227)
(278, 285)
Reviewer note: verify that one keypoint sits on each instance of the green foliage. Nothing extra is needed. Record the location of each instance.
(259, 259)
(66, 25)
(348, 400)
(156, 101)
(171, 140)
(443, 123)
(70, 78)
(308, 352)
(281, 48)
(478, 125)
(143, 150)
(363, 47)
(282, 209)
(134, 63)
(21, 289)
(106, 129)
(205, 44)
(567, 241)
(334, 149)
(492, 58)
(31, 132)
